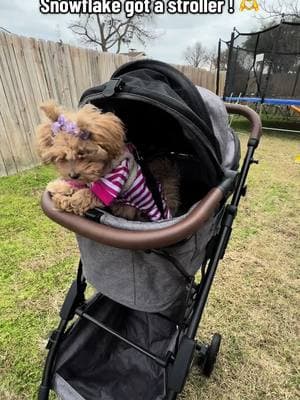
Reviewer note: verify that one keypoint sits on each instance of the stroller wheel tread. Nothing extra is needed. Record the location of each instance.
(207, 363)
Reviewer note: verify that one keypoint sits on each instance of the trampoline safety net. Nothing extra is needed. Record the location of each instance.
(264, 64)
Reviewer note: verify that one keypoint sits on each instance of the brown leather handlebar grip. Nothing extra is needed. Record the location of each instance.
(136, 240)
(251, 115)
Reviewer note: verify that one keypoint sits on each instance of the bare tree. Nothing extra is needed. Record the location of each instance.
(213, 59)
(108, 32)
(278, 8)
(4, 29)
(197, 55)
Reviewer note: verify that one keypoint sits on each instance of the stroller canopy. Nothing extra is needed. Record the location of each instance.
(163, 113)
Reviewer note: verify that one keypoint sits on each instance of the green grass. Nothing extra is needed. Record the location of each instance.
(37, 261)
(270, 122)
(254, 302)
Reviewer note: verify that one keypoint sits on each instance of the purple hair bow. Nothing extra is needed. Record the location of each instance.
(63, 124)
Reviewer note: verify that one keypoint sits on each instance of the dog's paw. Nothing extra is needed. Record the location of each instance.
(62, 202)
(60, 187)
(83, 200)
(126, 211)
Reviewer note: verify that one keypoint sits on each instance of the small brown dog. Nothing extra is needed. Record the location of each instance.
(97, 168)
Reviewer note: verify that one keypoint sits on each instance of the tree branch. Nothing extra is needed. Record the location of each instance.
(112, 31)
(278, 8)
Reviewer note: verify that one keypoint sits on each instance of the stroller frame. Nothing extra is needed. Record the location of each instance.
(177, 365)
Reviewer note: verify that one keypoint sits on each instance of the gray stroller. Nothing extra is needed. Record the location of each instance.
(135, 338)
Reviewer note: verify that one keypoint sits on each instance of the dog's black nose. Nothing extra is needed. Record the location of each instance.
(74, 175)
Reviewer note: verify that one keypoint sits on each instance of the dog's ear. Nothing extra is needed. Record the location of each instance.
(44, 137)
(44, 142)
(105, 129)
(51, 110)
(102, 153)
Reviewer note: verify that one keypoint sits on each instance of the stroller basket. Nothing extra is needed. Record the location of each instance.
(135, 339)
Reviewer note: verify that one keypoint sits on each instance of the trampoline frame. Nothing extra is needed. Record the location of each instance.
(265, 102)
(260, 97)
(273, 51)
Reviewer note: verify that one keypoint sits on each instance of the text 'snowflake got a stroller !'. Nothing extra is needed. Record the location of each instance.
(135, 339)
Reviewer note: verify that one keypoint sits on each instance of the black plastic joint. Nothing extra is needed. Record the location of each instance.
(244, 191)
(73, 299)
(178, 371)
(113, 86)
(232, 210)
(229, 216)
(253, 142)
(52, 339)
(202, 351)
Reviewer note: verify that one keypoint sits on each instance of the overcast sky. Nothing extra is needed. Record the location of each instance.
(179, 31)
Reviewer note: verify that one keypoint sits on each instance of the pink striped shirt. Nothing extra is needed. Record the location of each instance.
(109, 188)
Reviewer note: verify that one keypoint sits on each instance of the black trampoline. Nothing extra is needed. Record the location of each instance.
(263, 69)
(264, 64)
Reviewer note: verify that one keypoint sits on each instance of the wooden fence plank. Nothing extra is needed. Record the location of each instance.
(16, 101)
(9, 110)
(29, 87)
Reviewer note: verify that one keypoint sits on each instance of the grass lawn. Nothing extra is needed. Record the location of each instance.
(254, 302)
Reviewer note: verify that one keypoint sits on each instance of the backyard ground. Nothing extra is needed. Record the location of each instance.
(254, 302)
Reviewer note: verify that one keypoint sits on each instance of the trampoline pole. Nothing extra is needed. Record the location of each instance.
(226, 89)
(259, 82)
(218, 69)
(296, 82)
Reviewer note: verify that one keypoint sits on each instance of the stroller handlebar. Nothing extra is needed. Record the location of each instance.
(251, 115)
(156, 238)
(136, 240)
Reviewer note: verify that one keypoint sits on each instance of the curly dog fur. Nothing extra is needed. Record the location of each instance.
(86, 161)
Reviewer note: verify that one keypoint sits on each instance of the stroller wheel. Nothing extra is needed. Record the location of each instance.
(208, 355)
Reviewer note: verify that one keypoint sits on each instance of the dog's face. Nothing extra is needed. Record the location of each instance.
(81, 145)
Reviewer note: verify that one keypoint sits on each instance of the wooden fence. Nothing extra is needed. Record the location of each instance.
(202, 77)
(32, 71)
